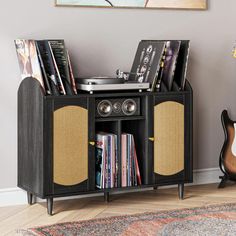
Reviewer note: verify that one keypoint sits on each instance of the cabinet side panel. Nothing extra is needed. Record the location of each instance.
(169, 138)
(189, 138)
(70, 145)
(30, 136)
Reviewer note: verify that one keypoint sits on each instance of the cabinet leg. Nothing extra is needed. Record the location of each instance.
(181, 191)
(30, 198)
(155, 187)
(106, 196)
(49, 205)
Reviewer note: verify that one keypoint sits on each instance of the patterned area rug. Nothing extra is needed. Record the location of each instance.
(212, 220)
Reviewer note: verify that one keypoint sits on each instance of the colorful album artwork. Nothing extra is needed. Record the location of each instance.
(171, 56)
(184, 4)
(28, 60)
(147, 62)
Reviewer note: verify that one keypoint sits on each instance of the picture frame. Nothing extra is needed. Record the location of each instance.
(146, 4)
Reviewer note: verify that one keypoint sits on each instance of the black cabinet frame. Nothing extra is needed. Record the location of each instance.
(35, 140)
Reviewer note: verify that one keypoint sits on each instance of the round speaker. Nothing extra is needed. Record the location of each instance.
(104, 108)
(117, 107)
(129, 107)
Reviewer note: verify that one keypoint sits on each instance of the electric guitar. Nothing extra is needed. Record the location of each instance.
(228, 152)
(227, 160)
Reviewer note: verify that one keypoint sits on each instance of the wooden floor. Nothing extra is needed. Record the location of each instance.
(24, 216)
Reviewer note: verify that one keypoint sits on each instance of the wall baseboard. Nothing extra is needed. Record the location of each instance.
(16, 196)
(206, 176)
(12, 196)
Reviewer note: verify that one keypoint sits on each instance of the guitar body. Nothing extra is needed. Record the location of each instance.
(227, 160)
(228, 153)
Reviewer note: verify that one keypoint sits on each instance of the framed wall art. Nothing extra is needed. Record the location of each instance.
(177, 4)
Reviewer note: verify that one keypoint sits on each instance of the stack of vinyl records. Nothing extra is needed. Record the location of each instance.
(129, 162)
(48, 62)
(106, 160)
(162, 63)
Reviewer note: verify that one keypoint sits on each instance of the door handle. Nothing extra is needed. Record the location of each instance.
(92, 143)
(151, 139)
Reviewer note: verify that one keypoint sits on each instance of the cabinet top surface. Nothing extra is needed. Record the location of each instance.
(117, 94)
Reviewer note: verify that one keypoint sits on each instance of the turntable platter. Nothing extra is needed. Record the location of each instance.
(100, 80)
(93, 84)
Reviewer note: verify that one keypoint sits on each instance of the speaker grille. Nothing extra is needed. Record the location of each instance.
(118, 107)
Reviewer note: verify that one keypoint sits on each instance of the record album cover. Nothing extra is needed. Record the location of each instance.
(182, 64)
(171, 55)
(59, 55)
(48, 65)
(147, 61)
(28, 60)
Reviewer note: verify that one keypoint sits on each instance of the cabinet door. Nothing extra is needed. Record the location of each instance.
(169, 139)
(73, 146)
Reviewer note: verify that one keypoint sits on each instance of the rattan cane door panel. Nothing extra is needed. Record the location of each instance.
(168, 138)
(70, 145)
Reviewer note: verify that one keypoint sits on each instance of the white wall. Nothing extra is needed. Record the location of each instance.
(102, 40)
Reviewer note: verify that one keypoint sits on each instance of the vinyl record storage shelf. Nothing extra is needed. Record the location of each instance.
(56, 141)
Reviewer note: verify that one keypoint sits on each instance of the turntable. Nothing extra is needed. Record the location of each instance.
(102, 83)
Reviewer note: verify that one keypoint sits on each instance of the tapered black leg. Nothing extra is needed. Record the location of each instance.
(106, 196)
(50, 205)
(224, 179)
(30, 198)
(155, 187)
(181, 191)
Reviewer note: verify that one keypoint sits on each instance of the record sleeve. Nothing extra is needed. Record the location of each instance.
(147, 62)
(49, 65)
(72, 78)
(123, 160)
(46, 79)
(28, 60)
(100, 155)
(98, 166)
(60, 58)
(56, 68)
(182, 64)
(171, 55)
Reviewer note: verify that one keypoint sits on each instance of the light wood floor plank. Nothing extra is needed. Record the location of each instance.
(22, 217)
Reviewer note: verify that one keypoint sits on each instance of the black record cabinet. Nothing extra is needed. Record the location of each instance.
(56, 140)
